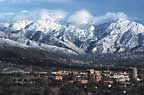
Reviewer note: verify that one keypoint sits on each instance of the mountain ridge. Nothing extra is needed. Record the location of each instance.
(120, 35)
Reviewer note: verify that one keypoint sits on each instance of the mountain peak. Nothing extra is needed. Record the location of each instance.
(44, 25)
(20, 24)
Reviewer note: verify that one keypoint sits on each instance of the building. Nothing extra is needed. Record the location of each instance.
(94, 76)
(57, 75)
(120, 77)
(98, 76)
(134, 74)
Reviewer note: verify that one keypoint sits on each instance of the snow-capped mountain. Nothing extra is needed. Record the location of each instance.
(121, 35)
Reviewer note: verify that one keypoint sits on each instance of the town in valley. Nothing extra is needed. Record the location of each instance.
(33, 80)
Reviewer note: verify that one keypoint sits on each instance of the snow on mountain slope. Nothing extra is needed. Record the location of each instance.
(19, 25)
(7, 43)
(44, 26)
(121, 35)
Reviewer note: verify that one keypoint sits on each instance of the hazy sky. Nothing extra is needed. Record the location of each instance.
(133, 8)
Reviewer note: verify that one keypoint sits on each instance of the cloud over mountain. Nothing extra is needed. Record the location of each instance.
(81, 17)
(109, 16)
(52, 15)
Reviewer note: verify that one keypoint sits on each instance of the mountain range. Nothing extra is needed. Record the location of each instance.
(71, 40)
